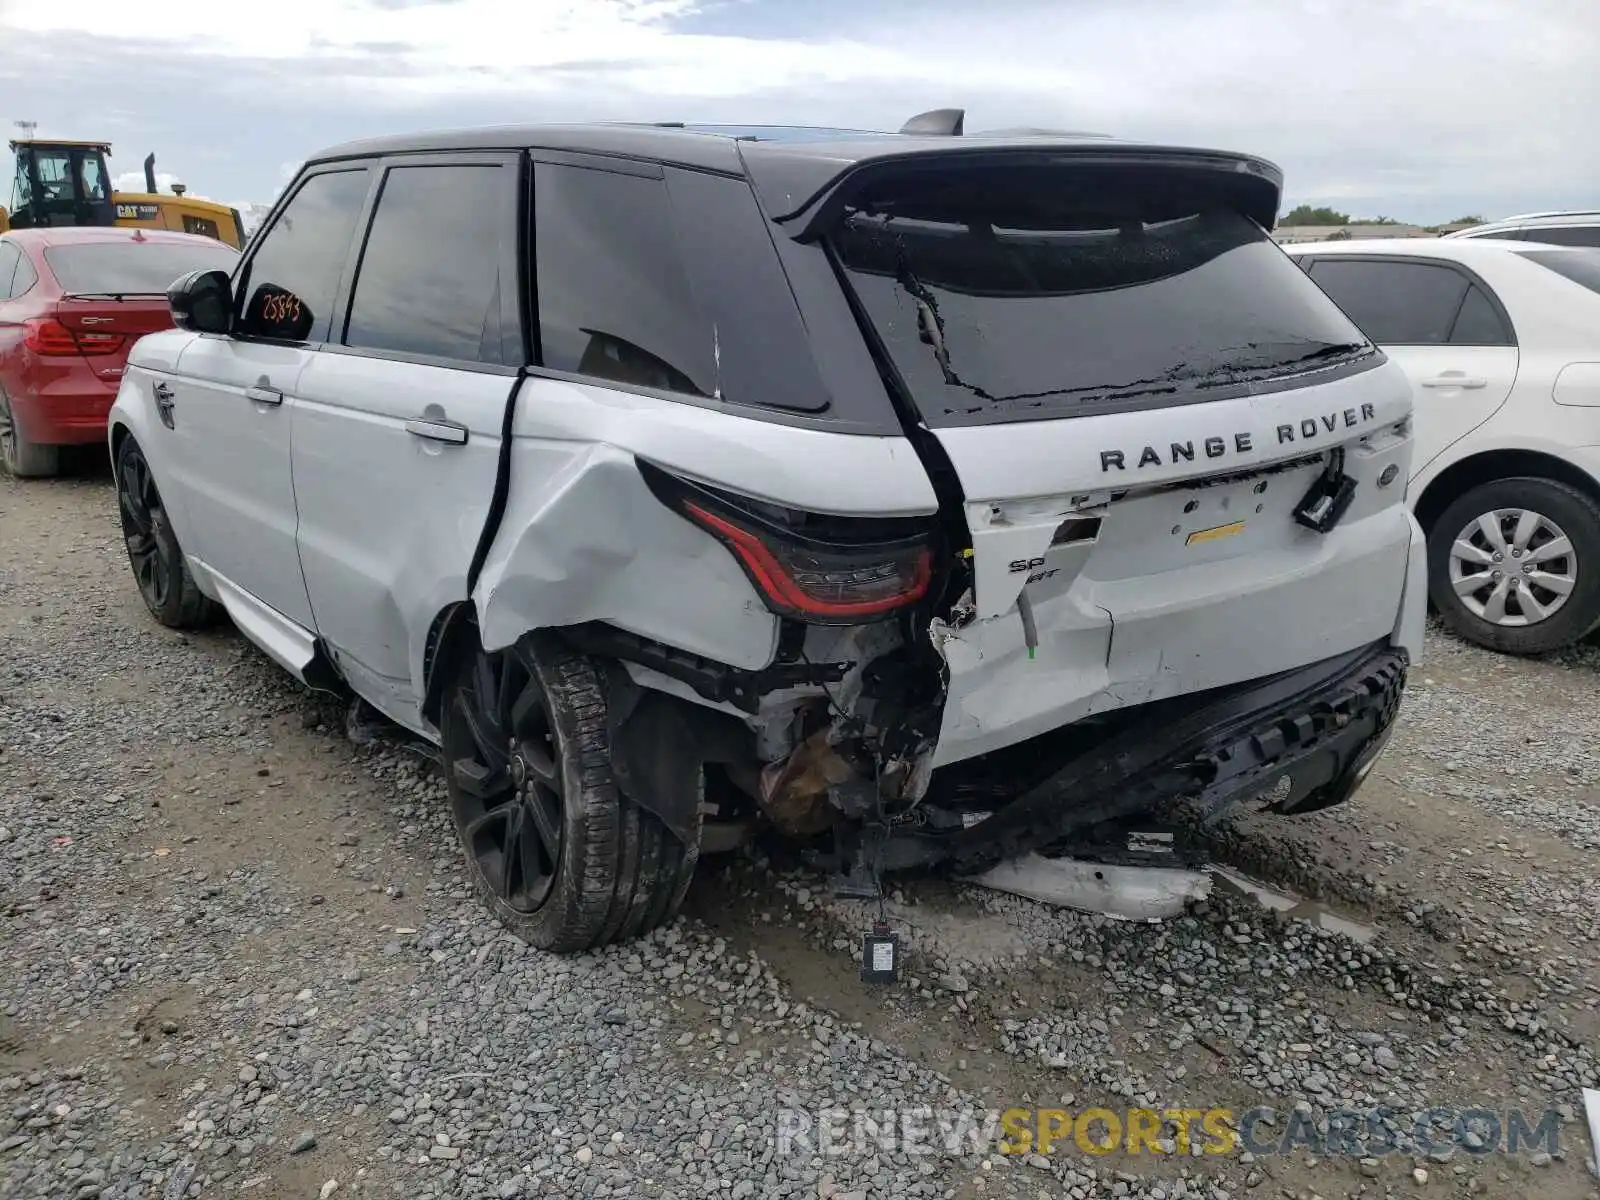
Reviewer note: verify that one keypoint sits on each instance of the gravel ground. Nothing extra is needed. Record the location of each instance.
(241, 958)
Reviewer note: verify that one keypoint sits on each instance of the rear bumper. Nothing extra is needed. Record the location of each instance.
(1319, 727)
(63, 417)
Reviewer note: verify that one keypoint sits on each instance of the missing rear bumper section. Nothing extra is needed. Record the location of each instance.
(840, 740)
(1319, 728)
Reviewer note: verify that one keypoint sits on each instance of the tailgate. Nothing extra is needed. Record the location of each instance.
(1143, 494)
(1137, 392)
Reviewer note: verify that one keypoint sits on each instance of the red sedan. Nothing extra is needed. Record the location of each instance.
(72, 303)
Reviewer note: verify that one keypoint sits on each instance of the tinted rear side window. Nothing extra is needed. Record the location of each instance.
(614, 296)
(24, 277)
(1581, 268)
(1564, 235)
(1026, 311)
(133, 267)
(429, 282)
(9, 255)
(669, 284)
(1479, 322)
(1395, 303)
(289, 286)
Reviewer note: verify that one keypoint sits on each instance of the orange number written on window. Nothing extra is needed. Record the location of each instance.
(282, 308)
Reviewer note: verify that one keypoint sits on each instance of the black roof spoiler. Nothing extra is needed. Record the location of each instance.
(803, 189)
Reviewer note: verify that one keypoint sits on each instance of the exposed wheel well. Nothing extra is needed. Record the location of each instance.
(119, 434)
(1483, 468)
(452, 630)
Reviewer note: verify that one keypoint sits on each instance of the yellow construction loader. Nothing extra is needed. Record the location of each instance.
(67, 183)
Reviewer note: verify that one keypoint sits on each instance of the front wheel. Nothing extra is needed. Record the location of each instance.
(165, 583)
(1514, 565)
(559, 855)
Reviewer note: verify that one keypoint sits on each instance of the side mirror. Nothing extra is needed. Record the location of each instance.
(202, 301)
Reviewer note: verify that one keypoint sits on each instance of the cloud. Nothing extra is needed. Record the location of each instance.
(1412, 108)
(134, 181)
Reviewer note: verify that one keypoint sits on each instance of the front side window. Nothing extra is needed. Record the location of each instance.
(54, 168)
(1395, 303)
(430, 280)
(615, 301)
(288, 287)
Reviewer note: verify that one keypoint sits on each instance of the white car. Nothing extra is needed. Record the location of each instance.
(1553, 228)
(929, 497)
(1501, 340)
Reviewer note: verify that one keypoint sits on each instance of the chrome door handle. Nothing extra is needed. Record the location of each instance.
(451, 432)
(1470, 383)
(263, 395)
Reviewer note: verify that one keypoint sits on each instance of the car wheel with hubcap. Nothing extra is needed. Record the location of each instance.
(559, 854)
(165, 583)
(24, 459)
(1514, 565)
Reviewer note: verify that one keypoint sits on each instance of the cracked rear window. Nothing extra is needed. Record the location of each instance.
(1020, 313)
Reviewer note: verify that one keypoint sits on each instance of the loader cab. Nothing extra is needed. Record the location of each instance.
(60, 183)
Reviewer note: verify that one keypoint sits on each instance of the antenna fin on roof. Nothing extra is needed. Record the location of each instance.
(941, 122)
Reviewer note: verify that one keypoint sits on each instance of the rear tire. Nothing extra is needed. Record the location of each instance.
(22, 458)
(557, 853)
(1542, 592)
(165, 584)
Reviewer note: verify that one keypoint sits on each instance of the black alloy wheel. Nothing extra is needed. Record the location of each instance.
(507, 779)
(555, 849)
(165, 583)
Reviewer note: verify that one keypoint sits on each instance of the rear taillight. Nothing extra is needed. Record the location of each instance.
(49, 337)
(820, 569)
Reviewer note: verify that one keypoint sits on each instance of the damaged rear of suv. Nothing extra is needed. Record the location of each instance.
(930, 498)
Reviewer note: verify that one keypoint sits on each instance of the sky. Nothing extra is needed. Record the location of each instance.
(1412, 109)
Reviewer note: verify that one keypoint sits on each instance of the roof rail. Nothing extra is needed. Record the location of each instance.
(1536, 216)
(939, 122)
(1036, 131)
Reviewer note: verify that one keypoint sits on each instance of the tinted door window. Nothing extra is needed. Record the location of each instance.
(1479, 322)
(290, 283)
(1395, 303)
(1565, 235)
(614, 297)
(430, 278)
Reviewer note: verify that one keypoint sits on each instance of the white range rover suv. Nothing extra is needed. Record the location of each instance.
(929, 498)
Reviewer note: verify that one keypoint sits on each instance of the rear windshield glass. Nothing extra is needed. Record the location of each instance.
(1580, 266)
(126, 268)
(991, 319)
